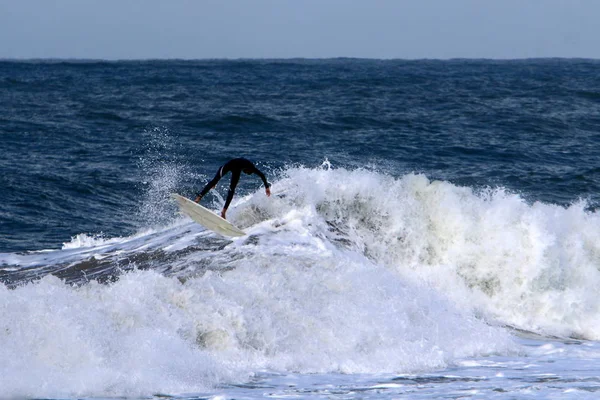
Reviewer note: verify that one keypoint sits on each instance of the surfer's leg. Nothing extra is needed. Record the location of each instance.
(235, 178)
(210, 185)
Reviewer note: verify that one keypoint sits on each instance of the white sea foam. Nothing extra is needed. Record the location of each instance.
(533, 266)
(83, 240)
(343, 271)
(148, 333)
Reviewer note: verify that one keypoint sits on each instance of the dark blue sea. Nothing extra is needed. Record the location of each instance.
(433, 229)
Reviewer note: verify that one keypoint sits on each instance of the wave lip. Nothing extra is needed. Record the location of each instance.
(532, 266)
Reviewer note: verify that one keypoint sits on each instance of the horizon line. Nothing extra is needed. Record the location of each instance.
(109, 60)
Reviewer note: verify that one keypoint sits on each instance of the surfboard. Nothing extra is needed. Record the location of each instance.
(205, 217)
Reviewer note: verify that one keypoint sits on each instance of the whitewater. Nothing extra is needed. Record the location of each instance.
(349, 283)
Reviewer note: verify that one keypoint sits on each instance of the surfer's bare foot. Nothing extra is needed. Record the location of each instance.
(223, 214)
(198, 198)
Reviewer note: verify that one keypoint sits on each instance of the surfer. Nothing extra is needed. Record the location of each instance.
(236, 167)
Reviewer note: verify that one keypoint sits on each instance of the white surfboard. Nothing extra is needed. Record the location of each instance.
(206, 218)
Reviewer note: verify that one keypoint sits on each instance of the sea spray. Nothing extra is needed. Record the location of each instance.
(532, 266)
(162, 173)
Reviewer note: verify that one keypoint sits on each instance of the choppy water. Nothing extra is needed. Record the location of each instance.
(432, 231)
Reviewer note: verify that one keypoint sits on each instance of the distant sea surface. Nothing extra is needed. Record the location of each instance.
(433, 229)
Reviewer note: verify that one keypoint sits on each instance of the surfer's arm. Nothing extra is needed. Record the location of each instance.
(265, 182)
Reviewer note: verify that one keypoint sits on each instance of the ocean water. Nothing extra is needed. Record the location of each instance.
(433, 230)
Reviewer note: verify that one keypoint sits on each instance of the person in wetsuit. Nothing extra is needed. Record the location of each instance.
(236, 167)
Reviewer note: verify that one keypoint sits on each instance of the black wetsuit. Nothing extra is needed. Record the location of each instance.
(235, 166)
